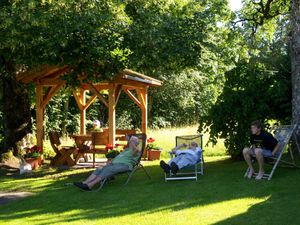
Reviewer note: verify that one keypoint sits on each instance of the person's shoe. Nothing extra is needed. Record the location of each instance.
(82, 186)
(250, 174)
(174, 168)
(111, 178)
(77, 183)
(165, 166)
(259, 176)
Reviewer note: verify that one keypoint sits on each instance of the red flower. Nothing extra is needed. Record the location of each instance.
(34, 149)
(117, 145)
(150, 140)
(109, 147)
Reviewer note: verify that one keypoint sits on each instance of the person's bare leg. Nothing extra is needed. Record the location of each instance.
(94, 182)
(89, 179)
(247, 157)
(260, 160)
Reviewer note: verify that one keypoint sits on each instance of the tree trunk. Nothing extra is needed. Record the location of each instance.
(295, 63)
(295, 60)
(16, 110)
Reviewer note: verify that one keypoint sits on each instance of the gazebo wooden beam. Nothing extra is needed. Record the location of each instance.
(143, 97)
(134, 73)
(112, 114)
(52, 91)
(39, 75)
(82, 99)
(95, 91)
(129, 83)
(39, 116)
(90, 101)
(78, 101)
(51, 82)
(133, 98)
(118, 93)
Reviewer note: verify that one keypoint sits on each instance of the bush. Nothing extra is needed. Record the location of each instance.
(252, 91)
(48, 152)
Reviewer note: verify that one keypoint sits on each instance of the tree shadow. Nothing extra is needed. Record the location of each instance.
(223, 182)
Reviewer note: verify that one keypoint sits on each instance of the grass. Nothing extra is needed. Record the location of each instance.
(165, 138)
(221, 196)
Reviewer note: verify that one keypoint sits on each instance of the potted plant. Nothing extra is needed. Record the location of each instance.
(112, 152)
(33, 156)
(153, 150)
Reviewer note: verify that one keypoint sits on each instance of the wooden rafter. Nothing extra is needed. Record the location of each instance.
(51, 82)
(141, 97)
(117, 93)
(133, 98)
(36, 76)
(90, 101)
(78, 101)
(95, 91)
(134, 73)
(51, 92)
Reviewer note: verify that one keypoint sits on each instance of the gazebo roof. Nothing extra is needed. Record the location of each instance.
(51, 75)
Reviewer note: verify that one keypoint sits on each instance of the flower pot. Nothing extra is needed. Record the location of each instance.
(153, 154)
(34, 162)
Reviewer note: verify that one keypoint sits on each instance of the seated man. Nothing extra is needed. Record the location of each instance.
(183, 158)
(263, 145)
(122, 163)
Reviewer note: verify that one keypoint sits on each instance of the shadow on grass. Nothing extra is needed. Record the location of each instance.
(222, 182)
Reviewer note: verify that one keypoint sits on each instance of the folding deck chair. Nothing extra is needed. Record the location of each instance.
(283, 134)
(138, 165)
(189, 172)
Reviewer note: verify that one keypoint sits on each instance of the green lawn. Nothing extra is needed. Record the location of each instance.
(166, 139)
(221, 196)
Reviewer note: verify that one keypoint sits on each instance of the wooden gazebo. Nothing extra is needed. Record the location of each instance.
(48, 82)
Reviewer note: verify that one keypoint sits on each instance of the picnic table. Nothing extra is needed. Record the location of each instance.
(95, 142)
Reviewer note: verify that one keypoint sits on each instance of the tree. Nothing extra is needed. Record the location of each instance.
(261, 78)
(295, 59)
(257, 14)
(99, 38)
(253, 90)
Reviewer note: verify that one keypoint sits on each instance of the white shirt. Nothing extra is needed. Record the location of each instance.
(192, 154)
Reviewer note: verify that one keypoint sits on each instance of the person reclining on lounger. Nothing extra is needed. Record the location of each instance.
(263, 145)
(183, 158)
(122, 163)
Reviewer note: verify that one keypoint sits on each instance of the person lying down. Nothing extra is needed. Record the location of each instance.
(183, 158)
(121, 163)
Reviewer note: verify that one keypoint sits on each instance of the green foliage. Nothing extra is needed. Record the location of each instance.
(48, 151)
(252, 91)
(181, 100)
(112, 154)
(6, 156)
(166, 39)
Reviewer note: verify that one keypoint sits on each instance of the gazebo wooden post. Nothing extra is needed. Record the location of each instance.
(145, 111)
(112, 114)
(82, 112)
(39, 115)
(143, 98)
